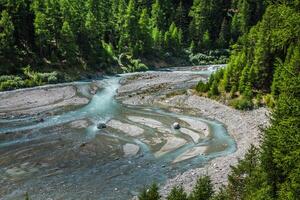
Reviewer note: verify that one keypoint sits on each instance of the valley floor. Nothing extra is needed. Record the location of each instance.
(243, 126)
(168, 90)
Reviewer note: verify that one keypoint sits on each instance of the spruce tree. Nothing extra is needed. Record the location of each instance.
(177, 193)
(7, 31)
(157, 15)
(145, 34)
(129, 35)
(150, 194)
(203, 189)
(68, 42)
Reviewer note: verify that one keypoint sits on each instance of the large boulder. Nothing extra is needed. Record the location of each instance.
(101, 125)
(176, 125)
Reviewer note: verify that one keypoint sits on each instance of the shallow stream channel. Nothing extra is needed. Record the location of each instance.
(104, 149)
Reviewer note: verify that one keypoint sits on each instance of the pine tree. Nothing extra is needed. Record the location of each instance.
(199, 24)
(44, 36)
(177, 193)
(206, 40)
(181, 16)
(157, 38)
(7, 31)
(150, 194)
(130, 34)
(90, 26)
(223, 39)
(203, 189)
(157, 16)
(68, 42)
(144, 35)
(280, 156)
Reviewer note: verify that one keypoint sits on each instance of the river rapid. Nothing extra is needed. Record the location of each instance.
(65, 155)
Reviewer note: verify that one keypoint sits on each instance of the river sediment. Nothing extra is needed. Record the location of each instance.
(49, 136)
(243, 126)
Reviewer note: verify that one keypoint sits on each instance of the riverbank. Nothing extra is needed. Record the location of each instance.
(139, 139)
(243, 126)
(45, 99)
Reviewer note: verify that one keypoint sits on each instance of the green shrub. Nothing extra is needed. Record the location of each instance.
(242, 104)
(31, 79)
(233, 91)
(129, 64)
(202, 87)
(258, 100)
(248, 93)
(43, 78)
(6, 78)
(269, 100)
(12, 84)
(211, 57)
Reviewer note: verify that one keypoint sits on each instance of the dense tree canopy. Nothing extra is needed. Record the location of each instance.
(52, 33)
(264, 37)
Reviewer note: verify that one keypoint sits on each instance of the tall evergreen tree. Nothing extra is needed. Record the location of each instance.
(203, 189)
(130, 33)
(68, 42)
(145, 34)
(7, 31)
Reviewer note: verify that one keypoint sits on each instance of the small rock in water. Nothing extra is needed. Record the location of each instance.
(176, 125)
(101, 126)
(83, 145)
(41, 120)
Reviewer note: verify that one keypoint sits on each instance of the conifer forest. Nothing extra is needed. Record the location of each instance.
(101, 84)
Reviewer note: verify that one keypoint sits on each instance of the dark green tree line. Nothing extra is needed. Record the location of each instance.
(64, 33)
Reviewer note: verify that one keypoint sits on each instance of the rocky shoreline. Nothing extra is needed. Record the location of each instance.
(243, 126)
(167, 90)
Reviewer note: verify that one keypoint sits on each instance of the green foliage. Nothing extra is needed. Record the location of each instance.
(29, 79)
(211, 57)
(203, 189)
(59, 34)
(222, 195)
(11, 83)
(145, 32)
(129, 64)
(269, 101)
(233, 91)
(129, 36)
(150, 194)
(202, 87)
(242, 103)
(257, 61)
(27, 196)
(214, 90)
(68, 42)
(7, 31)
(177, 193)
(280, 156)
(173, 38)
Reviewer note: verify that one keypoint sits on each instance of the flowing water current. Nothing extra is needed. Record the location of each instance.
(65, 156)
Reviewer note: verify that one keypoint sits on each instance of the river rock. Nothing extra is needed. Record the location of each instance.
(101, 125)
(176, 125)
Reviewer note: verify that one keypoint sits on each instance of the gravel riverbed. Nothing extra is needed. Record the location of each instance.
(243, 126)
